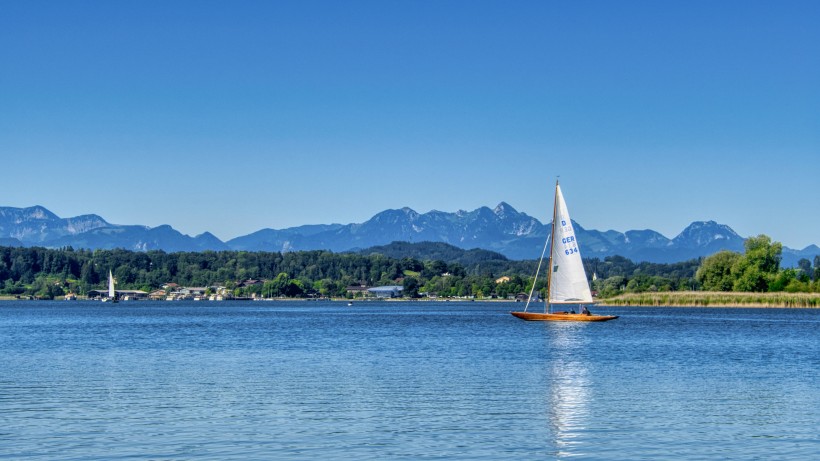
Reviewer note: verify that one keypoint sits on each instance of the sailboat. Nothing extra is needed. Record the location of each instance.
(112, 295)
(566, 281)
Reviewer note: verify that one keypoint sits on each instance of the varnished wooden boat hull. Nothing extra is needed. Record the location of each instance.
(563, 317)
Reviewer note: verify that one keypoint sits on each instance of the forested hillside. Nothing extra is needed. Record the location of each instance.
(422, 268)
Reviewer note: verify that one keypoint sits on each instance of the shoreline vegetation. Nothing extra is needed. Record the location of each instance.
(714, 299)
(421, 271)
(656, 299)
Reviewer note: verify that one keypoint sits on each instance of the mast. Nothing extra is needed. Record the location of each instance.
(552, 243)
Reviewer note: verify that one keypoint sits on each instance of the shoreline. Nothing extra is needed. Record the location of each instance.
(780, 300)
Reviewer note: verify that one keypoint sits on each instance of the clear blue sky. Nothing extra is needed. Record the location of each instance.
(231, 117)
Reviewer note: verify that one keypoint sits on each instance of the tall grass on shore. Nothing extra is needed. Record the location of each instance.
(714, 299)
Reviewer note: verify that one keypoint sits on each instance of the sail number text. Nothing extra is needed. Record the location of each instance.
(567, 241)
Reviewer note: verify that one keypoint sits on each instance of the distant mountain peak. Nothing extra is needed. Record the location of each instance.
(33, 213)
(502, 229)
(207, 241)
(703, 233)
(404, 213)
(39, 212)
(504, 209)
(84, 223)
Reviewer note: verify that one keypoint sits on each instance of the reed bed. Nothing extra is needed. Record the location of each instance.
(715, 299)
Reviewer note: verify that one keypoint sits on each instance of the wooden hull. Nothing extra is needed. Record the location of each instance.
(563, 317)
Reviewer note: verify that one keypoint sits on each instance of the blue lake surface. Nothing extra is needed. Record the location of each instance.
(431, 381)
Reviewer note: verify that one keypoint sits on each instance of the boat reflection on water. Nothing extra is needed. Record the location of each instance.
(569, 383)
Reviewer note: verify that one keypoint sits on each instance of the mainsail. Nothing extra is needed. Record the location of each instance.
(111, 292)
(568, 280)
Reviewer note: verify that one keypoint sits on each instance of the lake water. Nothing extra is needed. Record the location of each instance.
(431, 381)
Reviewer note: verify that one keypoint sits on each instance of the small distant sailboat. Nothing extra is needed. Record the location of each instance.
(567, 281)
(112, 294)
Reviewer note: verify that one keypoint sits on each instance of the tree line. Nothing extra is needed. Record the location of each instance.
(758, 270)
(50, 273)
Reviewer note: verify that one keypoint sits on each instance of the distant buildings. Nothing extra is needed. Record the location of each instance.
(126, 295)
(389, 291)
(363, 291)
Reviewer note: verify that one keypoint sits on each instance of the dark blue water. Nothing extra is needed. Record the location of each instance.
(309, 380)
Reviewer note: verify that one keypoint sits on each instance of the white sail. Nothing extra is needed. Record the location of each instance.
(568, 281)
(111, 292)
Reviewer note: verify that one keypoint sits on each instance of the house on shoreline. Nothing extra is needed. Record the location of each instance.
(125, 295)
(364, 291)
(389, 291)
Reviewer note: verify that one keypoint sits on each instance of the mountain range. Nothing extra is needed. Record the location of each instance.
(502, 229)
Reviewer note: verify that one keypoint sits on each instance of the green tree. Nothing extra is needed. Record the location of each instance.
(278, 286)
(88, 276)
(816, 275)
(783, 279)
(759, 265)
(805, 266)
(715, 272)
(294, 288)
(610, 286)
(411, 287)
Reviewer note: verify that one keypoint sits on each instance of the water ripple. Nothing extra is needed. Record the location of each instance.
(431, 381)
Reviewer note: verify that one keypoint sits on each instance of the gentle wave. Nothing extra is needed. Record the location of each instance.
(448, 381)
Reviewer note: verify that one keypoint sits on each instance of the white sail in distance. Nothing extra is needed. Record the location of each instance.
(111, 292)
(568, 282)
